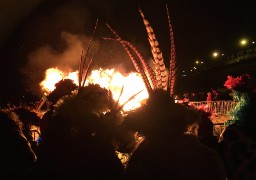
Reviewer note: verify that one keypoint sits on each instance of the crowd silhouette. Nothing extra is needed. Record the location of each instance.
(82, 130)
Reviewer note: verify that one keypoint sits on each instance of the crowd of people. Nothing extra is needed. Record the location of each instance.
(82, 130)
(206, 95)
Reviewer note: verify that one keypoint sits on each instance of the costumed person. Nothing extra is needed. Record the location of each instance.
(238, 140)
(79, 144)
(168, 151)
(17, 158)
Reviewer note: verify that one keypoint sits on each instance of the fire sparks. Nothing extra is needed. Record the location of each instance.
(109, 79)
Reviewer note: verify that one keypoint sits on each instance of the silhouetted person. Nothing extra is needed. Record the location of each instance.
(167, 152)
(79, 144)
(62, 88)
(17, 158)
(205, 131)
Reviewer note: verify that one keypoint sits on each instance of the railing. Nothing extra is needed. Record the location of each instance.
(217, 107)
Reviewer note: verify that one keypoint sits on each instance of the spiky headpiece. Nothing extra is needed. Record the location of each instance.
(157, 78)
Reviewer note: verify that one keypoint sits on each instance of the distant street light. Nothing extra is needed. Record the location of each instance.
(215, 54)
(199, 62)
(243, 42)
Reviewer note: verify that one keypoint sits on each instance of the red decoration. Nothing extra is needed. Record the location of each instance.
(244, 83)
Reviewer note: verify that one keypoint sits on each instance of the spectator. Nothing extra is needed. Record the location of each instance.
(167, 152)
(209, 96)
(79, 142)
(206, 129)
(17, 158)
(62, 88)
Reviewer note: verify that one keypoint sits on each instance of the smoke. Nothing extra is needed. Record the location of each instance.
(47, 57)
(54, 37)
(106, 54)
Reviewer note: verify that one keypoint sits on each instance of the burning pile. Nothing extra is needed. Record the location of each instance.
(110, 79)
(91, 111)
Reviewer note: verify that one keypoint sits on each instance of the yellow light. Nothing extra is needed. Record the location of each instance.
(197, 62)
(215, 54)
(243, 42)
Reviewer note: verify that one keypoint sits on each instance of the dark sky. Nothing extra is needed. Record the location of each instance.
(37, 35)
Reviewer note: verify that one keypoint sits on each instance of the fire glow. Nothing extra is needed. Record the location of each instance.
(107, 78)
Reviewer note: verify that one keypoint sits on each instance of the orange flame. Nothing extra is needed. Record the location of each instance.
(109, 79)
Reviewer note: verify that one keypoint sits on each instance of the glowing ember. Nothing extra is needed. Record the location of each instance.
(109, 79)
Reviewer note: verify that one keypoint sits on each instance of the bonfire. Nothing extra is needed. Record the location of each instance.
(126, 96)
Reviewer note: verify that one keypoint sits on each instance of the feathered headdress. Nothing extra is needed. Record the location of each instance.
(244, 83)
(160, 116)
(62, 88)
(156, 78)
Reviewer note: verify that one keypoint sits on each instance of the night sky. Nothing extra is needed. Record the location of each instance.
(37, 35)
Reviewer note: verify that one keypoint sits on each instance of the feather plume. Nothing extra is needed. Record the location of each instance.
(161, 75)
(130, 98)
(145, 65)
(147, 69)
(173, 66)
(117, 102)
(83, 60)
(86, 72)
(137, 66)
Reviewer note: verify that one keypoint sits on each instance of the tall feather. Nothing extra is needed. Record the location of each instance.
(173, 65)
(145, 65)
(161, 75)
(130, 98)
(137, 66)
(86, 72)
(80, 67)
(83, 59)
(117, 102)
